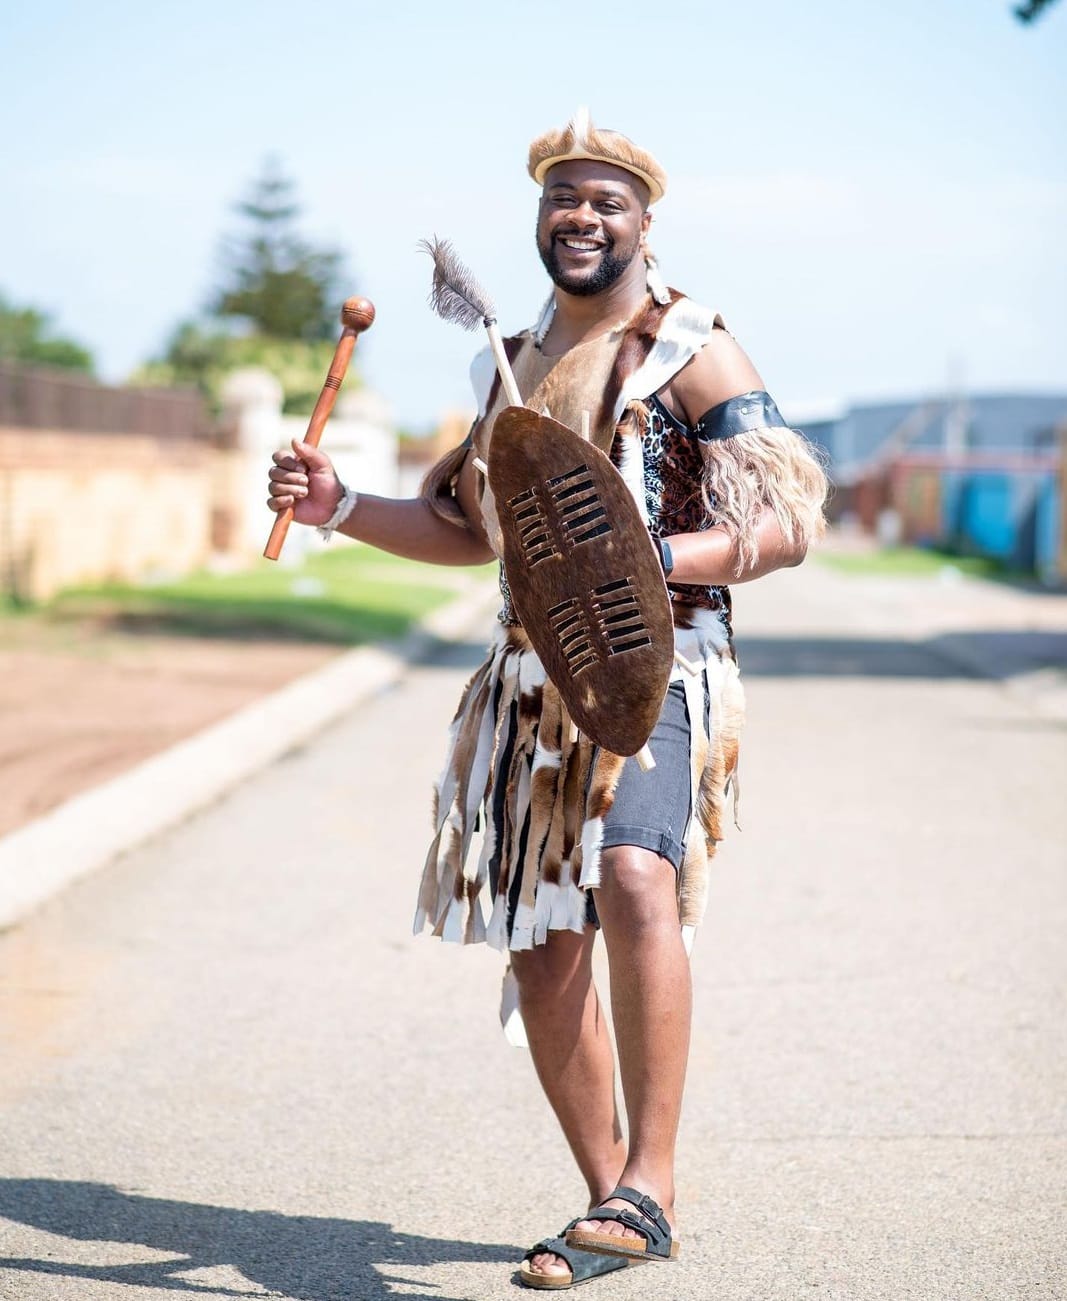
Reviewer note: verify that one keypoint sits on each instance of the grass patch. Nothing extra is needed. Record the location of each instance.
(346, 595)
(909, 562)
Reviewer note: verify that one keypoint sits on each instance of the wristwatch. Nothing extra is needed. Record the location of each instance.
(666, 559)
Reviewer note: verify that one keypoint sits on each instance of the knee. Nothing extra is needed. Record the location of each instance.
(637, 884)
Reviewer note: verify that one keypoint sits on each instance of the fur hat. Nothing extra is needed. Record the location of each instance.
(580, 139)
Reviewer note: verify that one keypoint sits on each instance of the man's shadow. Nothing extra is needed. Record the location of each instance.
(300, 1256)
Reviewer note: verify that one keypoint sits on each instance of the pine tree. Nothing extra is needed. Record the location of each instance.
(1031, 9)
(282, 286)
(285, 294)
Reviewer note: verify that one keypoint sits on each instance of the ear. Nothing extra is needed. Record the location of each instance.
(646, 222)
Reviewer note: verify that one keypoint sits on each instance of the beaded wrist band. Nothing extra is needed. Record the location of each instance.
(345, 507)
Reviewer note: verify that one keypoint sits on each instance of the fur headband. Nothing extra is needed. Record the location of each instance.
(580, 139)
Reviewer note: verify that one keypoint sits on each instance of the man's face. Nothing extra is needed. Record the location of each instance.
(590, 224)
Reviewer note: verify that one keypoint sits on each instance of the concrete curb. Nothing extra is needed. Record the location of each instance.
(94, 828)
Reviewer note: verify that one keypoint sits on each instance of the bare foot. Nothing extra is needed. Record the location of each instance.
(622, 1230)
(547, 1262)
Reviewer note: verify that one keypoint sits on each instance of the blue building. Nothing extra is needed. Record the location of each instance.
(981, 474)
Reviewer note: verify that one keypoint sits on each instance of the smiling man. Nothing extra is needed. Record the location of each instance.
(586, 258)
(577, 839)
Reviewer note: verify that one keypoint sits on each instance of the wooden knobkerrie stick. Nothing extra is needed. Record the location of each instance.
(357, 315)
(691, 666)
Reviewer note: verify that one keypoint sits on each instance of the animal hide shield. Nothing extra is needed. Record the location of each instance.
(584, 575)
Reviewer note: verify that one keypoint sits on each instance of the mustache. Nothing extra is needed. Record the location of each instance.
(603, 239)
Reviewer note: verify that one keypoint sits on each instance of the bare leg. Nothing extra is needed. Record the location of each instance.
(572, 1055)
(651, 1003)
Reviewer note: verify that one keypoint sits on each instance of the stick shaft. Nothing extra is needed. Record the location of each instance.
(323, 407)
(691, 666)
(507, 375)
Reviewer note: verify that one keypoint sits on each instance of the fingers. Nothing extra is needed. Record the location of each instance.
(296, 478)
(312, 458)
(287, 462)
(308, 459)
(287, 487)
(291, 477)
(283, 495)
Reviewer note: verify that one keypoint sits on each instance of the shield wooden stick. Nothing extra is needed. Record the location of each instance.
(357, 315)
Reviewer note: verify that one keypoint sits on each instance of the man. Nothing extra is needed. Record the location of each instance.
(577, 839)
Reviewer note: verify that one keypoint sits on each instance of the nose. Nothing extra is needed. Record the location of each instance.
(584, 215)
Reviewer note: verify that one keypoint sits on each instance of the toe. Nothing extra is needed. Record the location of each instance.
(547, 1263)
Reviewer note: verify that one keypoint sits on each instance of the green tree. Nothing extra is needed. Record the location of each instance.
(1031, 9)
(274, 280)
(26, 335)
(278, 306)
(202, 355)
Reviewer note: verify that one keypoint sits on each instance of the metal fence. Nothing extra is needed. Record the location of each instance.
(32, 398)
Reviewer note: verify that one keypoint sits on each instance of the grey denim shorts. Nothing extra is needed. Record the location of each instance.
(652, 809)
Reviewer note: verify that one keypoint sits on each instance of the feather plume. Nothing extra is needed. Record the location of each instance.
(455, 294)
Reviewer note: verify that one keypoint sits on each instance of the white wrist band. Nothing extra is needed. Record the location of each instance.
(345, 507)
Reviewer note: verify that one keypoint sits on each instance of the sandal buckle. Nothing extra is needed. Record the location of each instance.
(649, 1208)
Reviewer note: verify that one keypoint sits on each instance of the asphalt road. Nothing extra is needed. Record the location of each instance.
(228, 1070)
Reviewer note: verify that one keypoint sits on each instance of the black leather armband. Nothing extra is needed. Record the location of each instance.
(755, 410)
(666, 556)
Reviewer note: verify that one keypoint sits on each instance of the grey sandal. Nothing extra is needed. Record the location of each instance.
(584, 1265)
(656, 1241)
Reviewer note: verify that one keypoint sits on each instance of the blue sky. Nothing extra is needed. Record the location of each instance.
(874, 196)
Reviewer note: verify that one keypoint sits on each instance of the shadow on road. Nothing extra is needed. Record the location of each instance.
(971, 653)
(300, 1256)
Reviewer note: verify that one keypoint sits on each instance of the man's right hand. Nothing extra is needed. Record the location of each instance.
(305, 481)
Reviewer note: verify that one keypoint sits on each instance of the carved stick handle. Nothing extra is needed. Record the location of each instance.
(357, 315)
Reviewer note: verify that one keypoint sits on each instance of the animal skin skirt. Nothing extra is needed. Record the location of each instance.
(546, 802)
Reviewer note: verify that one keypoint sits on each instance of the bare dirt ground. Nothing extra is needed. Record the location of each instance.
(82, 702)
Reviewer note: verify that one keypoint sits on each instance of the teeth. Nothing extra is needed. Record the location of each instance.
(585, 245)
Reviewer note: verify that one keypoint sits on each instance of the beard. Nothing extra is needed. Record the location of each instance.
(584, 284)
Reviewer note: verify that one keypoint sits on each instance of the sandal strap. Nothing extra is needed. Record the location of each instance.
(554, 1244)
(557, 1246)
(613, 1216)
(648, 1221)
(582, 1264)
(645, 1205)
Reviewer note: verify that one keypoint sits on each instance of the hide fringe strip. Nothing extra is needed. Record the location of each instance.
(514, 769)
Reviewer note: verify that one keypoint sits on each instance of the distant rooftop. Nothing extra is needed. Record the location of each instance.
(987, 422)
